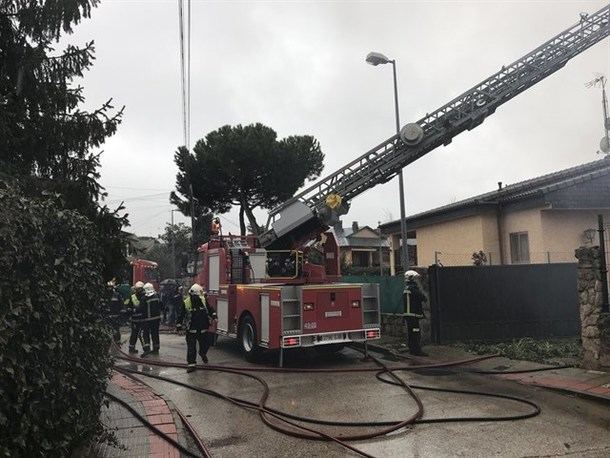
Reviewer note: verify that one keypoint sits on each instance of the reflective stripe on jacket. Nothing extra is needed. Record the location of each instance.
(133, 299)
(152, 308)
(413, 301)
(188, 306)
(196, 318)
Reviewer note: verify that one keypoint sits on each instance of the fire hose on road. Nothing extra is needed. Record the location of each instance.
(285, 422)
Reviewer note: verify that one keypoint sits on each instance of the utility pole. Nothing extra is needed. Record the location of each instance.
(173, 246)
(193, 229)
(401, 188)
(380, 250)
(375, 58)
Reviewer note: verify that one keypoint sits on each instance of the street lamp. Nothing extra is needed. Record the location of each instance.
(376, 58)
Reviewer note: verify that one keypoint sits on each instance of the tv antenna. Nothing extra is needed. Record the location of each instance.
(604, 144)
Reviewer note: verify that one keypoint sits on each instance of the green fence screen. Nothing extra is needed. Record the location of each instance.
(390, 290)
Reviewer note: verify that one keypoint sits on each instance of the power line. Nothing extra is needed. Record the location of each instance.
(182, 72)
(136, 188)
(151, 206)
(229, 221)
(159, 195)
(188, 86)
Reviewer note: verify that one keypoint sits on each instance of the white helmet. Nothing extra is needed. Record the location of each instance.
(196, 289)
(149, 289)
(411, 275)
(139, 284)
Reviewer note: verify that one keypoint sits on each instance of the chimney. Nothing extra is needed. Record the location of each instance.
(499, 186)
(355, 226)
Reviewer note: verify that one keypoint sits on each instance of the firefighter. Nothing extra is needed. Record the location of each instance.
(414, 311)
(151, 311)
(133, 306)
(195, 318)
(216, 226)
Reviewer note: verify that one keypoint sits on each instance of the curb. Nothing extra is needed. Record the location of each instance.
(157, 412)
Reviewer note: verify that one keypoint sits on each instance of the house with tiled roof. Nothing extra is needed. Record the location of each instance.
(360, 246)
(540, 220)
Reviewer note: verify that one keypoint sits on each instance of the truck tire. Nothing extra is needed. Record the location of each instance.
(248, 339)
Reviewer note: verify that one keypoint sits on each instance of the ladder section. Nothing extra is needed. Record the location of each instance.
(465, 112)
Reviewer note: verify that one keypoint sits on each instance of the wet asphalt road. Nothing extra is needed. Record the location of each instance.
(567, 426)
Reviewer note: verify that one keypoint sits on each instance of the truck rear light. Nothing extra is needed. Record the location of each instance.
(356, 304)
(291, 341)
(308, 307)
(372, 334)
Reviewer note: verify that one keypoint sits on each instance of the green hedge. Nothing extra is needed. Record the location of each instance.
(54, 359)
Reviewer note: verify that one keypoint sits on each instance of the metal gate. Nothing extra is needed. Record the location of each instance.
(503, 302)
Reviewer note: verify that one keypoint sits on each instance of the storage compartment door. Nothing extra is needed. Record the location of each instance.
(222, 310)
(214, 273)
(265, 318)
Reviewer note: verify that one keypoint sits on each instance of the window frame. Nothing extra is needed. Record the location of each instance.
(519, 254)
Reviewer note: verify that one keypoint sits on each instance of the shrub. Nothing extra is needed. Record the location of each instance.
(527, 348)
(54, 359)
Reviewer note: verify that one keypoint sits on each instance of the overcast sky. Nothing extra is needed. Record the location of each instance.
(299, 68)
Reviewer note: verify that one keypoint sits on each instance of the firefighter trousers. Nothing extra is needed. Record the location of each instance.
(151, 332)
(413, 334)
(136, 327)
(192, 339)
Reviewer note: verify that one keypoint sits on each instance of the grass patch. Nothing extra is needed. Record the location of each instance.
(541, 351)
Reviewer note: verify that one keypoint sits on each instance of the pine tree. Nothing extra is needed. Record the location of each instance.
(48, 143)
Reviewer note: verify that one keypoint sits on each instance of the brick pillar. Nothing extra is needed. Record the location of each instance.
(595, 325)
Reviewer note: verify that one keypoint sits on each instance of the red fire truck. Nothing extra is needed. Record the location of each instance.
(145, 271)
(266, 291)
(277, 299)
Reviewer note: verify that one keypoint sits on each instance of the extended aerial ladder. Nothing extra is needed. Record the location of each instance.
(312, 211)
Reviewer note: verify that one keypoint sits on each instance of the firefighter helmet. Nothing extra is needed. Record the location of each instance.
(149, 289)
(196, 289)
(411, 275)
(138, 285)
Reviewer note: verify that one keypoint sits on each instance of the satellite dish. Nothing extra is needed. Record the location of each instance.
(604, 145)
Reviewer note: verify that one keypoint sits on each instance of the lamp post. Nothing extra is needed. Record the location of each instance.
(380, 249)
(375, 58)
(173, 247)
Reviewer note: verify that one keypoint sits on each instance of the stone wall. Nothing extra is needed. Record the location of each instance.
(393, 325)
(595, 325)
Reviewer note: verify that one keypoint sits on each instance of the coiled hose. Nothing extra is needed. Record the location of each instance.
(285, 422)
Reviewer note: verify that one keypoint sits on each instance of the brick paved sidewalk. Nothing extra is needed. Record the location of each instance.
(593, 384)
(579, 381)
(135, 439)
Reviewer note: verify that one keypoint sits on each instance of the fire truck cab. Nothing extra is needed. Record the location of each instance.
(278, 299)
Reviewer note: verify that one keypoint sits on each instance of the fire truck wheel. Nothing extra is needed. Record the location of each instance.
(247, 338)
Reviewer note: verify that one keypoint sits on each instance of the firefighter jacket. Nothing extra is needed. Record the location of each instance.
(150, 308)
(413, 300)
(196, 314)
(133, 305)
